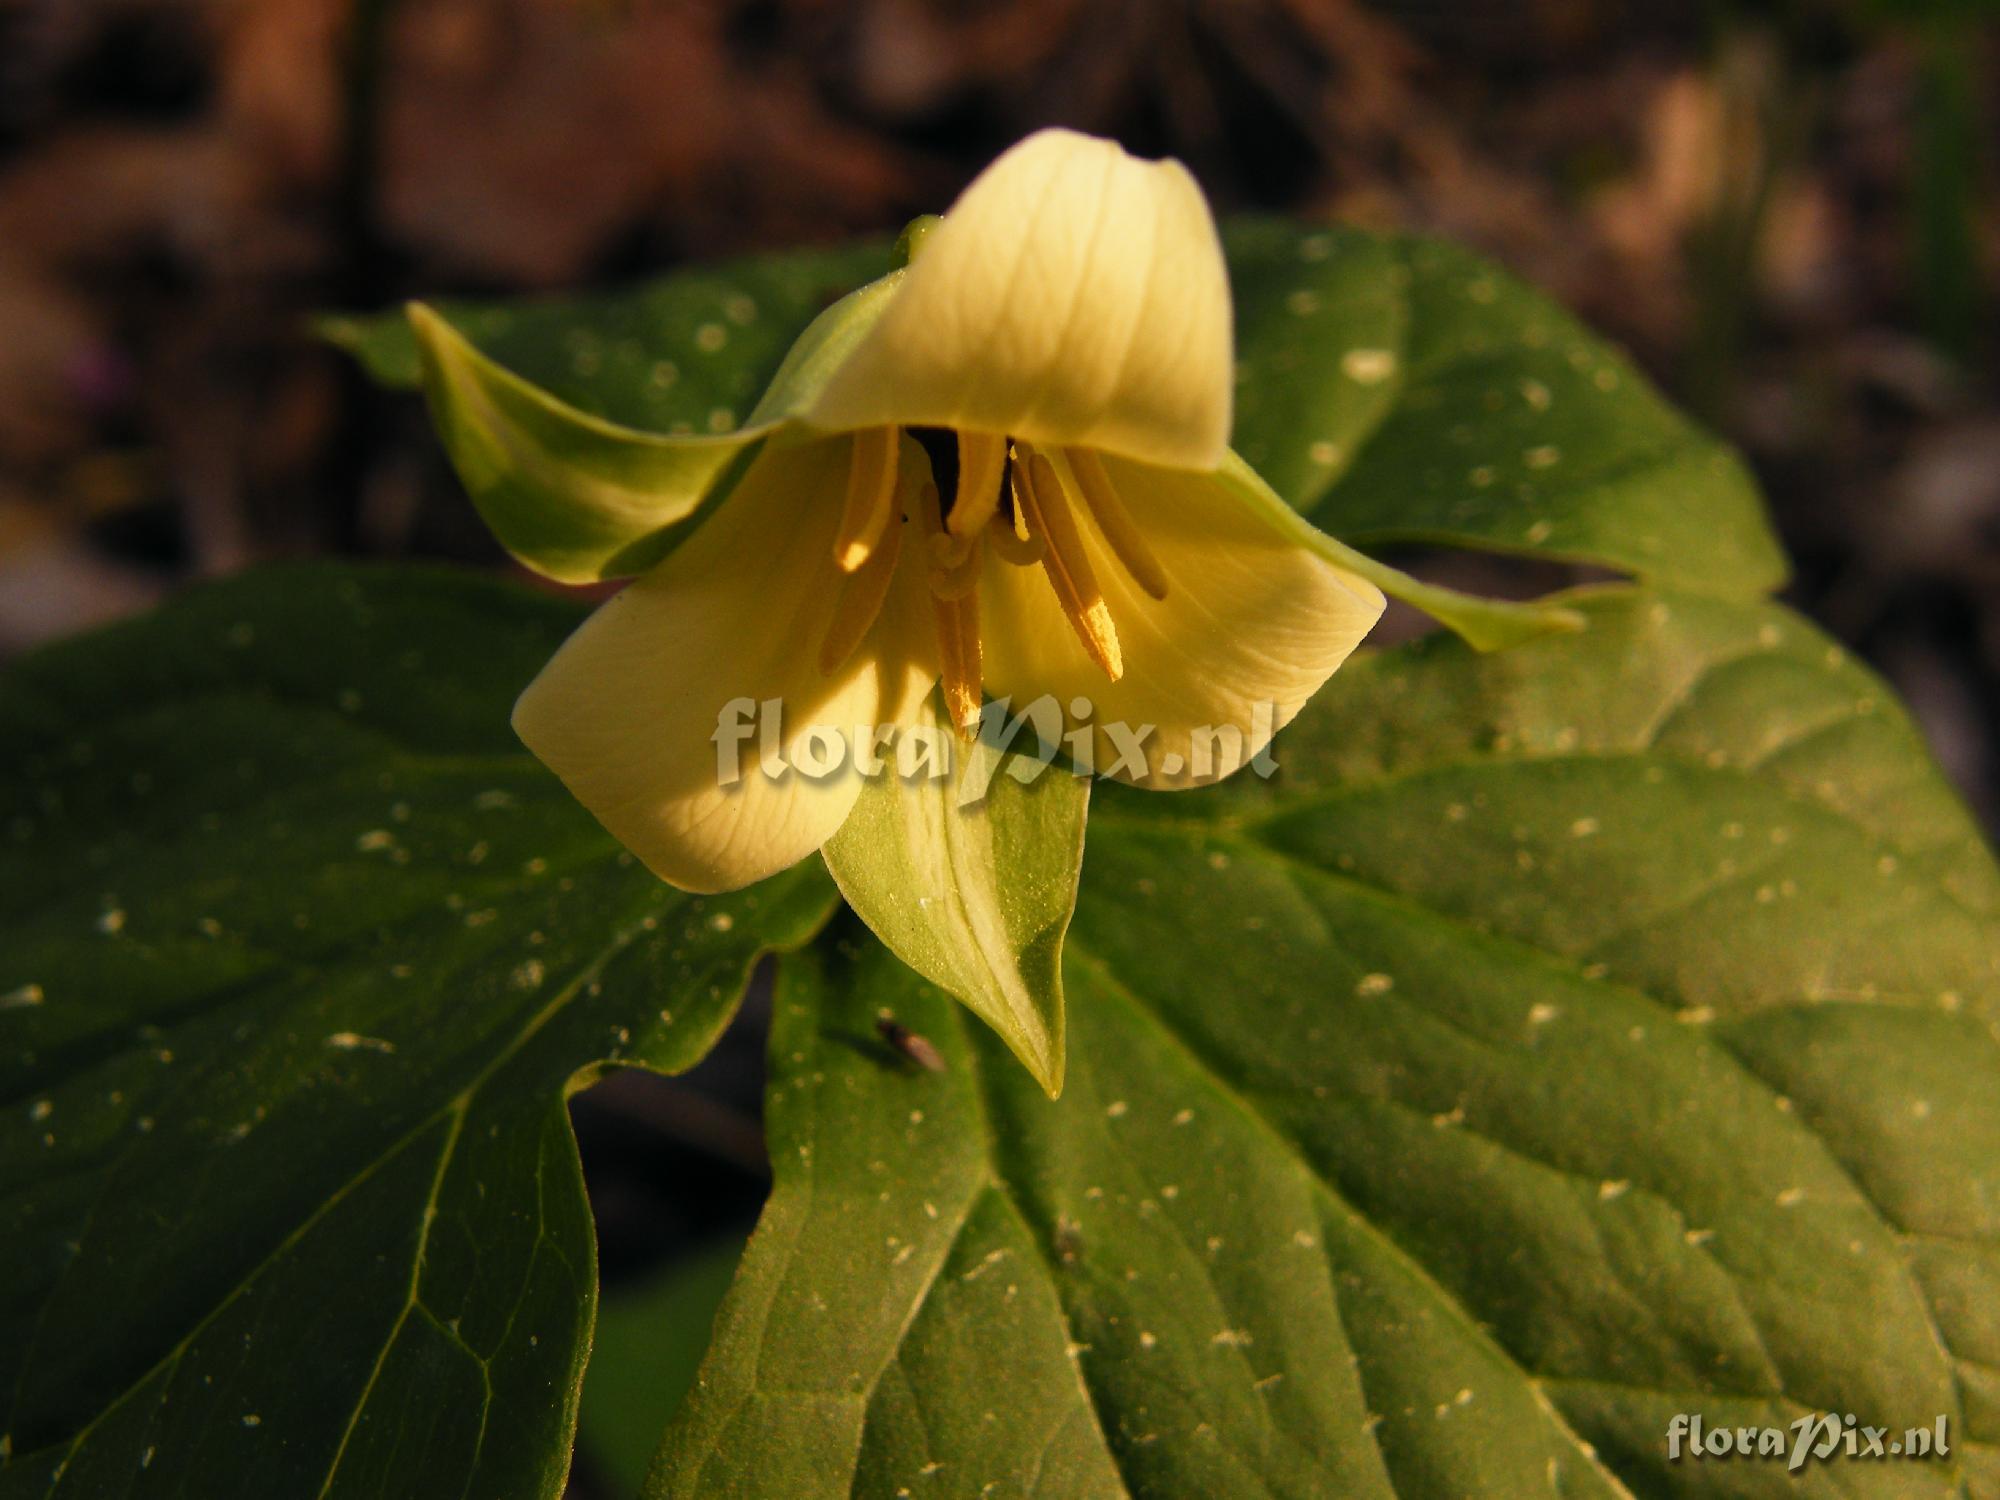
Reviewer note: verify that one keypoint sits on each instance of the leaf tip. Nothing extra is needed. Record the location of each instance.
(423, 317)
(1504, 625)
(1489, 625)
(434, 334)
(1048, 1069)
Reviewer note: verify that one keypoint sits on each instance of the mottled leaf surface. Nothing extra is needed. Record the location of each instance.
(1565, 1039)
(304, 954)
(1398, 389)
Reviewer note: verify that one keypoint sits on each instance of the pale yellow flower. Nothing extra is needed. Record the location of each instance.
(1004, 469)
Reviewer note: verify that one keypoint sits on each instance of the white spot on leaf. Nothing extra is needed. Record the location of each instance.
(1368, 366)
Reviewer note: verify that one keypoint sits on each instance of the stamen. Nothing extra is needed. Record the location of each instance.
(948, 551)
(959, 663)
(940, 445)
(957, 618)
(954, 570)
(871, 493)
(982, 456)
(1013, 548)
(860, 602)
(1017, 515)
(1046, 506)
(1116, 522)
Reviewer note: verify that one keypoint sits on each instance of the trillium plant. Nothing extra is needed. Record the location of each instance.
(1204, 1059)
(1004, 465)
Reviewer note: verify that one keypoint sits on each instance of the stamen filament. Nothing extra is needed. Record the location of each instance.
(981, 457)
(948, 551)
(954, 571)
(1046, 506)
(871, 494)
(1005, 539)
(957, 619)
(1116, 522)
(1017, 515)
(860, 602)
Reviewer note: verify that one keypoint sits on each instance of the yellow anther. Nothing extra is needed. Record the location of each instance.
(959, 662)
(1116, 522)
(860, 602)
(871, 497)
(981, 457)
(1069, 571)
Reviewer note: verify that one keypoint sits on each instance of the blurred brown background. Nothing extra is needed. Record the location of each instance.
(1785, 209)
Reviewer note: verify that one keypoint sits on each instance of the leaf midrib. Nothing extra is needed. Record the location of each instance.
(460, 1102)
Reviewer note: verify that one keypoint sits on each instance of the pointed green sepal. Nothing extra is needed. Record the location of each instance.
(970, 878)
(571, 495)
(580, 498)
(1483, 624)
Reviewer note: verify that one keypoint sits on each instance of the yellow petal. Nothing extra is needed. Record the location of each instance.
(1254, 620)
(627, 711)
(1119, 529)
(1072, 295)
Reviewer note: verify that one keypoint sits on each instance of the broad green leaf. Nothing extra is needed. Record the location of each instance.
(304, 954)
(1404, 390)
(1564, 1039)
(970, 877)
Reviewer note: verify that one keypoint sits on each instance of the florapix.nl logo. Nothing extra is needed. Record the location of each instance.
(1817, 1437)
(752, 738)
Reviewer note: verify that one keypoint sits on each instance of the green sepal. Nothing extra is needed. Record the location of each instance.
(570, 495)
(580, 498)
(970, 878)
(1483, 624)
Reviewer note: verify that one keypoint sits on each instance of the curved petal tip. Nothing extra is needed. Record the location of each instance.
(1074, 294)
